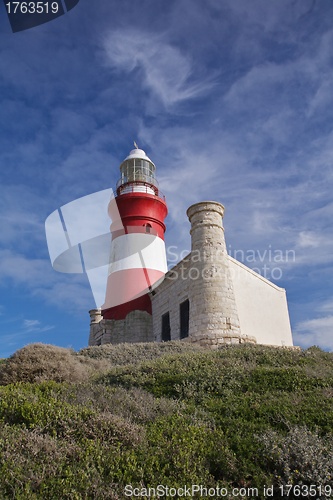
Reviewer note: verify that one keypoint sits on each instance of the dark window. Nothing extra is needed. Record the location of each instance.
(148, 228)
(166, 330)
(184, 310)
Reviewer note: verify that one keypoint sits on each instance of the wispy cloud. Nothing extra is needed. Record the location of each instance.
(16, 331)
(326, 306)
(35, 325)
(31, 323)
(317, 331)
(37, 277)
(20, 269)
(163, 69)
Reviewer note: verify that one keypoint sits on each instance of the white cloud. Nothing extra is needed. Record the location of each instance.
(322, 96)
(37, 276)
(31, 323)
(264, 221)
(19, 216)
(16, 332)
(269, 17)
(281, 92)
(314, 247)
(70, 292)
(326, 307)
(309, 239)
(165, 70)
(23, 270)
(35, 325)
(317, 331)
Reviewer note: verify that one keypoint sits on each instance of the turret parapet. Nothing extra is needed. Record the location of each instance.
(95, 316)
(204, 215)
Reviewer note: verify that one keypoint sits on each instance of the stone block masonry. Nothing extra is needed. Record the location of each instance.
(136, 327)
(202, 278)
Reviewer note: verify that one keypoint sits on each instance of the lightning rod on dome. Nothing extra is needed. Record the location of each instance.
(136, 146)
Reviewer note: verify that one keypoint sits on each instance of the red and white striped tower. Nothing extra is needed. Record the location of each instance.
(138, 258)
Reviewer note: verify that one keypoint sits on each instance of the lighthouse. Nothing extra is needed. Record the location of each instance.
(208, 298)
(137, 258)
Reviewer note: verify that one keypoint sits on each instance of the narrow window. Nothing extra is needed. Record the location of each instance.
(184, 310)
(166, 331)
(148, 227)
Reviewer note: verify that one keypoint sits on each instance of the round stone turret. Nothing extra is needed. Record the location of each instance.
(214, 318)
(95, 316)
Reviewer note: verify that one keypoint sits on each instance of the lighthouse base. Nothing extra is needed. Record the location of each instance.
(136, 327)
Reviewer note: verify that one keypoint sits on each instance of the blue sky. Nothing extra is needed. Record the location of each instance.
(232, 100)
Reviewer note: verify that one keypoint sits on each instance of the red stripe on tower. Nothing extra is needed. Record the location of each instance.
(138, 258)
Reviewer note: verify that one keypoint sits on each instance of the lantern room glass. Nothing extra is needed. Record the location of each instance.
(137, 170)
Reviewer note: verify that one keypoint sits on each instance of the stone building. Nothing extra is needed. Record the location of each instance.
(209, 297)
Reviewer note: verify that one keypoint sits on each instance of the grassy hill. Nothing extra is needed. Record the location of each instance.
(98, 423)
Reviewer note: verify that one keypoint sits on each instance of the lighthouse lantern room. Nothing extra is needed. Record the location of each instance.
(137, 174)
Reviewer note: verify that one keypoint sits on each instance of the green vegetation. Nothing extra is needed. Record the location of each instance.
(84, 425)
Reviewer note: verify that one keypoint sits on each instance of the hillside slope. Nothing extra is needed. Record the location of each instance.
(99, 423)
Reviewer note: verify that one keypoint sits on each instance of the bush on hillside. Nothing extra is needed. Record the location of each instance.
(34, 466)
(300, 457)
(134, 404)
(40, 362)
(128, 354)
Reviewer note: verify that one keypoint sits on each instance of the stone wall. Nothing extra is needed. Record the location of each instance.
(136, 327)
(174, 290)
(203, 278)
(262, 306)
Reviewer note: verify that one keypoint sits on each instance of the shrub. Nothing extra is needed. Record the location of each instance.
(125, 354)
(39, 362)
(36, 466)
(43, 406)
(182, 450)
(300, 457)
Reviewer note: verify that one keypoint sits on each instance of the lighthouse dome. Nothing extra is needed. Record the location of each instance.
(138, 154)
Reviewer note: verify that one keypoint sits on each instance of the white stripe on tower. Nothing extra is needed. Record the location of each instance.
(138, 263)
